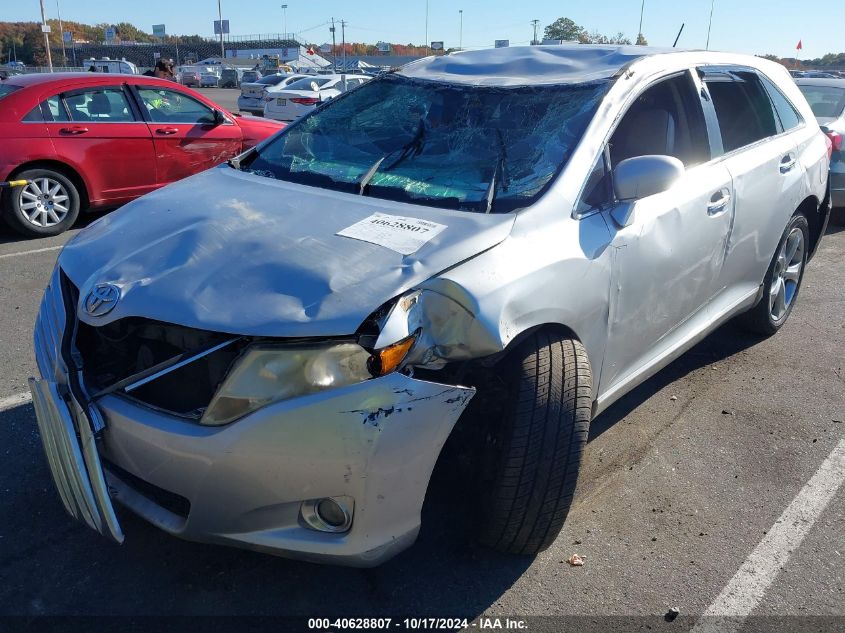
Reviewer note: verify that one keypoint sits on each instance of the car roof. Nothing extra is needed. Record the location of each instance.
(820, 81)
(45, 79)
(529, 65)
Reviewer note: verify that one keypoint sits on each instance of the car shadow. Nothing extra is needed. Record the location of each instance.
(10, 236)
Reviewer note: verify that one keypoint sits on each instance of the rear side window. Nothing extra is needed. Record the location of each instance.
(107, 105)
(743, 108)
(7, 89)
(49, 110)
(789, 117)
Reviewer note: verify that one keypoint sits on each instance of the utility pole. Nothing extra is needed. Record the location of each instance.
(62, 33)
(44, 28)
(461, 31)
(285, 14)
(534, 42)
(709, 24)
(640, 32)
(220, 16)
(343, 44)
(334, 46)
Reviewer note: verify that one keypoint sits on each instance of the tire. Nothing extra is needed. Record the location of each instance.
(535, 454)
(41, 221)
(782, 281)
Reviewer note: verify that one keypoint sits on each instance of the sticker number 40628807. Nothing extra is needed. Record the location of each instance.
(400, 234)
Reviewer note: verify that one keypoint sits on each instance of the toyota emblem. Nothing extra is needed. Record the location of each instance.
(102, 299)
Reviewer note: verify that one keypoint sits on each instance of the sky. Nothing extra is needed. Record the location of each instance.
(745, 26)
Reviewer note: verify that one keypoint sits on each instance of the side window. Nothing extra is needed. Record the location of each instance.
(106, 105)
(597, 192)
(742, 107)
(786, 112)
(170, 106)
(34, 115)
(667, 119)
(54, 110)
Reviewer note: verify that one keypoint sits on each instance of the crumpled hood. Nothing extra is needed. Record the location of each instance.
(233, 252)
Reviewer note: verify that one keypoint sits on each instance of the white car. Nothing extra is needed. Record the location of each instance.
(252, 92)
(209, 80)
(300, 97)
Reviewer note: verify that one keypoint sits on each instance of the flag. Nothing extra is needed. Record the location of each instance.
(800, 46)
(310, 50)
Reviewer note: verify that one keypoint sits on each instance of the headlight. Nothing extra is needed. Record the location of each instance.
(271, 373)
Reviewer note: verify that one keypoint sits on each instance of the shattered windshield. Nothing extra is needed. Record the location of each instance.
(474, 148)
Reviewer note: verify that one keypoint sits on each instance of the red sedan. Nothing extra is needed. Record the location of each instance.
(85, 140)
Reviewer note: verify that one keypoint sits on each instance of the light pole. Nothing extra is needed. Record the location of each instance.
(461, 31)
(62, 32)
(427, 43)
(285, 14)
(220, 17)
(709, 24)
(44, 28)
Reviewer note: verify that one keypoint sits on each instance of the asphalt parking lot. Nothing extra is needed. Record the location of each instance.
(684, 479)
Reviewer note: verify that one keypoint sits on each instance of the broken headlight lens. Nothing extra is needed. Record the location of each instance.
(272, 373)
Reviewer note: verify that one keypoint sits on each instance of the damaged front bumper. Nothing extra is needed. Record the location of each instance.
(245, 484)
(248, 483)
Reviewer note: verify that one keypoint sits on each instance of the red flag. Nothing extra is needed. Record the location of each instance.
(310, 50)
(800, 46)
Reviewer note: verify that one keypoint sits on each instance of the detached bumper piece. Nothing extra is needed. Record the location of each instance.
(74, 463)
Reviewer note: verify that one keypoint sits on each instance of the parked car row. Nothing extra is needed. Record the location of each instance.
(88, 140)
(273, 353)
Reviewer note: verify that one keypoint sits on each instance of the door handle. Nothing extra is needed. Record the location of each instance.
(166, 130)
(73, 130)
(719, 202)
(787, 163)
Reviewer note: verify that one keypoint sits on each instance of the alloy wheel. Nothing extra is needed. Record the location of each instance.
(44, 202)
(786, 275)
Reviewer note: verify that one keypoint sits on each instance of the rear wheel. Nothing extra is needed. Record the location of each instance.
(783, 280)
(535, 453)
(47, 205)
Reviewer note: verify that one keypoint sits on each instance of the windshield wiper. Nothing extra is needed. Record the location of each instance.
(501, 171)
(368, 175)
(235, 162)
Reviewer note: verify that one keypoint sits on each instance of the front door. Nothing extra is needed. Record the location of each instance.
(98, 130)
(667, 262)
(187, 138)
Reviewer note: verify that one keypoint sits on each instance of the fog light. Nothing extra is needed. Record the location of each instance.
(330, 514)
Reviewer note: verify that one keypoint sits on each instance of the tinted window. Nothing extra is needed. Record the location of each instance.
(827, 102)
(434, 143)
(170, 106)
(53, 110)
(107, 105)
(305, 83)
(786, 112)
(742, 107)
(271, 80)
(6, 89)
(667, 119)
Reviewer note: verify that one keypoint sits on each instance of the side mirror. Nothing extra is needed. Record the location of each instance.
(640, 177)
(643, 176)
(219, 118)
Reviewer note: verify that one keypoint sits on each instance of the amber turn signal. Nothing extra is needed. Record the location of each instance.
(385, 360)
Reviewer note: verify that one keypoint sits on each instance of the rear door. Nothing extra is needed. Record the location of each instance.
(187, 140)
(100, 130)
(760, 153)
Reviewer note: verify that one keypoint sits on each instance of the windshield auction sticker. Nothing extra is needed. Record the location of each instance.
(403, 235)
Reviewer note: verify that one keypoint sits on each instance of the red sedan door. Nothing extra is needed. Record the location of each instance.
(98, 130)
(186, 135)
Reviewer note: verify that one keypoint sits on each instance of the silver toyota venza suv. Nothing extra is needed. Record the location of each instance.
(271, 354)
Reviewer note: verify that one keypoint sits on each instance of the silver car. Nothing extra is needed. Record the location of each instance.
(827, 100)
(271, 354)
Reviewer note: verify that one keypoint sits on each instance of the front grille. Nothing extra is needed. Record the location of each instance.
(117, 351)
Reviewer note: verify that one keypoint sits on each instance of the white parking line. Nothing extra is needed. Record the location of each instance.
(18, 399)
(32, 252)
(743, 593)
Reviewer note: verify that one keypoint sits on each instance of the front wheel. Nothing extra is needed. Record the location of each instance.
(534, 453)
(783, 280)
(47, 205)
